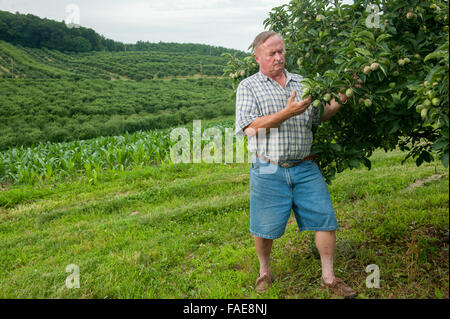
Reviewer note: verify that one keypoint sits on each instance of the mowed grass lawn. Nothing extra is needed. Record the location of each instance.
(182, 231)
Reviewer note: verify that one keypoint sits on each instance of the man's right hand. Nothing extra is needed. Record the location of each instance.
(295, 108)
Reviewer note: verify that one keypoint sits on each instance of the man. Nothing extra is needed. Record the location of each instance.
(270, 99)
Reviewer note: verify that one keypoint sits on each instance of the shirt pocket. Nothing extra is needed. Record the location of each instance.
(272, 102)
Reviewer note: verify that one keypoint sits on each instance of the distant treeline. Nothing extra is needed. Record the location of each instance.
(192, 48)
(31, 31)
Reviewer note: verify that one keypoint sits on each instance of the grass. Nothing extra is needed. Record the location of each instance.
(181, 231)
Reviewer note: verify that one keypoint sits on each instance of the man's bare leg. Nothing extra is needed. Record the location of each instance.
(263, 248)
(326, 243)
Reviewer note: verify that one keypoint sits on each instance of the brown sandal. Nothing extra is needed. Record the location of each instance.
(263, 283)
(339, 287)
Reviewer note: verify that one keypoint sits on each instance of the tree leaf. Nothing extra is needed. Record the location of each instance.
(363, 51)
(366, 34)
(435, 55)
(435, 72)
(382, 37)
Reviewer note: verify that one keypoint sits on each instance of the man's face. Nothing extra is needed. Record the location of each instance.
(270, 56)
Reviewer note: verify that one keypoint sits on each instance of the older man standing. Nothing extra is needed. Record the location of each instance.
(268, 100)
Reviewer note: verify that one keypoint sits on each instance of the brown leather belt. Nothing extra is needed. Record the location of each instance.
(288, 164)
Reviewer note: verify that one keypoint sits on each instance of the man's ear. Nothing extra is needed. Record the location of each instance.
(256, 58)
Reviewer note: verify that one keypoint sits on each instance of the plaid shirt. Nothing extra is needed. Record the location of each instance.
(259, 95)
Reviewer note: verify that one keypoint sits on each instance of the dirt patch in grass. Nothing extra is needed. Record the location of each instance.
(422, 182)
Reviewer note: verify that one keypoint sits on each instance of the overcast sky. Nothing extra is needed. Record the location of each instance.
(227, 23)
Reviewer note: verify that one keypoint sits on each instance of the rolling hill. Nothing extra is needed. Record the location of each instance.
(47, 95)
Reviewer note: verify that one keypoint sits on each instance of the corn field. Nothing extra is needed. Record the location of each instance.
(67, 160)
(62, 161)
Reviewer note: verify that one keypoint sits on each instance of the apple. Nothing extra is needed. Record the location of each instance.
(436, 101)
(423, 113)
(327, 97)
(349, 92)
(426, 104)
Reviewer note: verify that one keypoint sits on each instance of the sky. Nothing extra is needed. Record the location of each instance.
(226, 23)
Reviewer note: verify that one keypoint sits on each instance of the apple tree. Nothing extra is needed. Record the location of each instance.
(389, 57)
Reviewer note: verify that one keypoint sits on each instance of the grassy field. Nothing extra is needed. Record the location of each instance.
(181, 231)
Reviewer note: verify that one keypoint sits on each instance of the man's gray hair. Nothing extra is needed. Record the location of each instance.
(262, 37)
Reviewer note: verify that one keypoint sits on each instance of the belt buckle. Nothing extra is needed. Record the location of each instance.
(285, 165)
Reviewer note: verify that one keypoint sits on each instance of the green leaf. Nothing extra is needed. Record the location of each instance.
(435, 72)
(336, 147)
(338, 83)
(363, 51)
(382, 69)
(330, 73)
(435, 55)
(354, 163)
(440, 143)
(413, 101)
(419, 161)
(384, 54)
(366, 34)
(394, 128)
(383, 36)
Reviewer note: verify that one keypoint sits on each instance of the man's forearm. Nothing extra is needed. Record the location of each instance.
(267, 122)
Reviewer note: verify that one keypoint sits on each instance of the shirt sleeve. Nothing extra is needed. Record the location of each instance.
(246, 108)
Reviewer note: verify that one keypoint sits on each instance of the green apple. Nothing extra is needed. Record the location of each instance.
(349, 92)
(374, 66)
(423, 113)
(427, 103)
(327, 97)
(436, 101)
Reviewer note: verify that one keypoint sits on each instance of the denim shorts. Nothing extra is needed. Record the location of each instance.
(276, 191)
